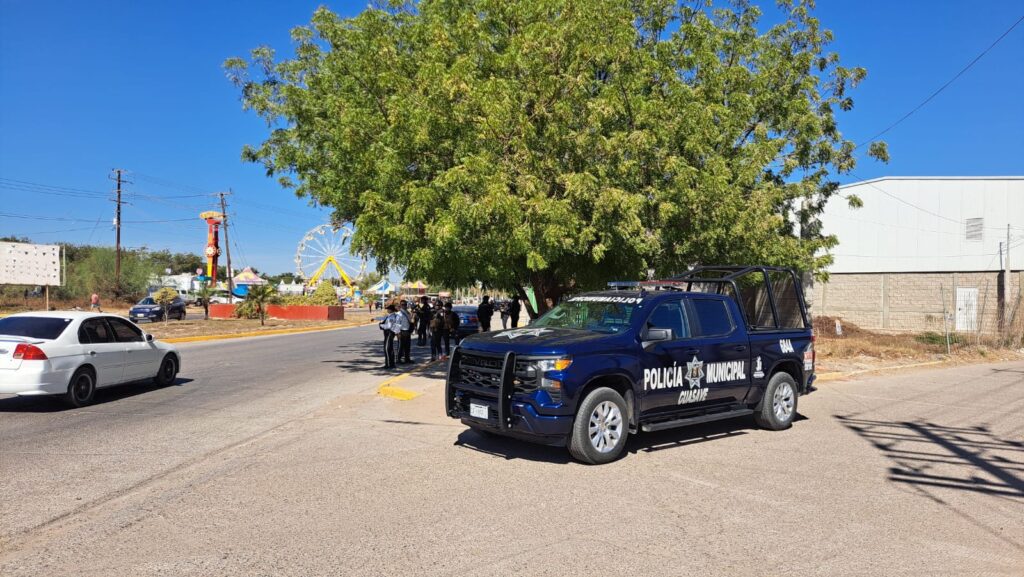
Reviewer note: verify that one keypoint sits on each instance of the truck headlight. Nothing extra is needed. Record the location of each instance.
(559, 364)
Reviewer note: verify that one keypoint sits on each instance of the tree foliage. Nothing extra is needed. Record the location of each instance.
(260, 296)
(324, 295)
(92, 270)
(164, 297)
(560, 143)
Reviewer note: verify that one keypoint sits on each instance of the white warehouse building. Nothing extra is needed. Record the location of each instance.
(922, 250)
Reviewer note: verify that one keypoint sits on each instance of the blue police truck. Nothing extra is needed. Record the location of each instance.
(714, 343)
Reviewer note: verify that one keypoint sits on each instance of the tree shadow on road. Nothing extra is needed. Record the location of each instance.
(46, 404)
(368, 357)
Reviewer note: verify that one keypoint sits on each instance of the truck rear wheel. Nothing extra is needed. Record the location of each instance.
(601, 427)
(778, 405)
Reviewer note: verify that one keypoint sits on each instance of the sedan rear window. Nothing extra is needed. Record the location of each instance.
(33, 327)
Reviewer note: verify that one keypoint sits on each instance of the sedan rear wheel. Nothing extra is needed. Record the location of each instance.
(81, 389)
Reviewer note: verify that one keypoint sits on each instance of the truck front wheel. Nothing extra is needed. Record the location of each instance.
(778, 405)
(601, 427)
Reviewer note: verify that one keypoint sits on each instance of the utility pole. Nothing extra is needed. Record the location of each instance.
(117, 228)
(1006, 282)
(227, 244)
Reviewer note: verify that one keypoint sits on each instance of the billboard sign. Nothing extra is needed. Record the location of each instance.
(29, 264)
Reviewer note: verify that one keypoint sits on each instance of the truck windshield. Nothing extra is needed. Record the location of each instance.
(591, 313)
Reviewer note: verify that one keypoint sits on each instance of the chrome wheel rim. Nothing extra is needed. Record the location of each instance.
(783, 401)
(605, 426)
(82, 387)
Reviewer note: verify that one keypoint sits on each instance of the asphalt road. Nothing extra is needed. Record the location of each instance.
(275, 457)
(60, 461)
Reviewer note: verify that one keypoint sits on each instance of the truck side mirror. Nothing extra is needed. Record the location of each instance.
(653, 335)
(149, 338)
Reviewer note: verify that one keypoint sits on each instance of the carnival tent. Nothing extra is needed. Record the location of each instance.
(247, 277)
(382, 288)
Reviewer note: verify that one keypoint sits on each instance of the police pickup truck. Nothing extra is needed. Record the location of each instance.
(714, 343)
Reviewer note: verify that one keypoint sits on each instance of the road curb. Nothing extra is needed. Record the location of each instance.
(272, 332)
(835, 376)
(387, 388)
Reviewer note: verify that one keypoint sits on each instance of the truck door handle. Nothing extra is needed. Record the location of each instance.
(692, 351)
(741, 348)
(93, 353)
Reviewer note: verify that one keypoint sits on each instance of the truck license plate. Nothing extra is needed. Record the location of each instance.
(478, 411)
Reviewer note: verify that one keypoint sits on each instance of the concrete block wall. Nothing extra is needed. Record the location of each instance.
(911, 301)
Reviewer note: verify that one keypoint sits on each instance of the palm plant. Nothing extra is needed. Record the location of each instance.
(203, 296)
(261, 295)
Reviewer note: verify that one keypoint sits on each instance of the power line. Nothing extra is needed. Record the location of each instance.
(159, 181)
(50, 186)
(943, 87)
(64, 219)
(38, 232)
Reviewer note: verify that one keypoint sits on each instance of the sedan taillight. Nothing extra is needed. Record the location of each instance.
(25, 352)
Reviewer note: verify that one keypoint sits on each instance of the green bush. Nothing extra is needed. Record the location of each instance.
(934, 338)
(324, 295)
(95, 273)
(296, 300)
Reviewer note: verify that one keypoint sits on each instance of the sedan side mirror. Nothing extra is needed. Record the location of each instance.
(149, 338)
(653, 335)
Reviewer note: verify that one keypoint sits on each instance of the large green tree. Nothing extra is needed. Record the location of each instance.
(558, 144)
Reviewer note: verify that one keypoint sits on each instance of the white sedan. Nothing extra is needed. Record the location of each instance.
(71, 353)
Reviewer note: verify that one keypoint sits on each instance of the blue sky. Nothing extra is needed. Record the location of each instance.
(87, 87)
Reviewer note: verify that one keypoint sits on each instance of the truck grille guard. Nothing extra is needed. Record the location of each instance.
(506, 387)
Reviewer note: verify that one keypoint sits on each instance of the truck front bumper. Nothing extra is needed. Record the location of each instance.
(526, 423)
(504, 414)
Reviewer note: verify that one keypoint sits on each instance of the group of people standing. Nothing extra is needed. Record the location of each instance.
(435, 324)
(509, 311)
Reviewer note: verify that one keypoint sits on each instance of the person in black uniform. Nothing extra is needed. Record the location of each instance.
(423, 316)
(451, 329)
(437, 332)
(513, 311)
(484, 312)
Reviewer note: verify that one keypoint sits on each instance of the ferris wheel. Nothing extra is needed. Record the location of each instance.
(323, 253)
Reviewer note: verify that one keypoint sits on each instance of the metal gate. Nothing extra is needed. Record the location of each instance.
(966, 309)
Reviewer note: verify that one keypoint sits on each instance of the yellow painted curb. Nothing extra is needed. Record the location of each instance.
(397, 393)
(387, 389)
(271, 332)
(835, 376)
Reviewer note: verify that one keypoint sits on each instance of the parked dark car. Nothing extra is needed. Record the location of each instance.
(149, 310)
(469, 323)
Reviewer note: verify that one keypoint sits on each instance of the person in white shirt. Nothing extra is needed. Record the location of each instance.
(391, 327)
(405, 335)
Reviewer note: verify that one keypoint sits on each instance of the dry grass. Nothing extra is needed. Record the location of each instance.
(859, 349)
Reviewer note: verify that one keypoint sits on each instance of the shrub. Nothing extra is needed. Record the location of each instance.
(324, 295)
(164, 297)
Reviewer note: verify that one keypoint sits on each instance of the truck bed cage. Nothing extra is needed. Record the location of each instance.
(723, 280)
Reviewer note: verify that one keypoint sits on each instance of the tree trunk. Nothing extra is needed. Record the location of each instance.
(547, 290)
